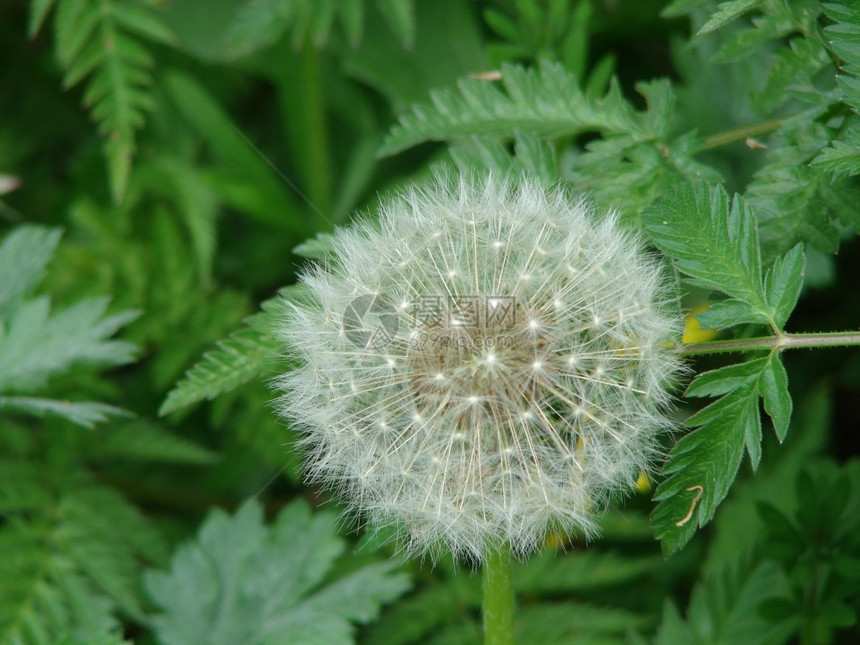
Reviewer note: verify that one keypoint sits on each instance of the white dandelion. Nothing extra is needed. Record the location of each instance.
(484, 363)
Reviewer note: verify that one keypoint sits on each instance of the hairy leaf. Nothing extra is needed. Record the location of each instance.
(244, 582)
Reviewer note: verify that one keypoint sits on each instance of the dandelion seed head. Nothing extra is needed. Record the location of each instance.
(501, 369)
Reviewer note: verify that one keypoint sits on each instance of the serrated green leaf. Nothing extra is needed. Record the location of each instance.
(703, 464)
(141, 22)
(727, 313)
(843, 155)
(791, 198)
(844, 33)
(488, 153)
(774, 392)
(241, 581)
(545, 103)
(535, 158)
(726, 379)
(24, 254)
(86, 414)
(710, 239)
(35, 344)
(726, 13)
(142, 440)
(723, 610)
(782, 285)
(247, 353)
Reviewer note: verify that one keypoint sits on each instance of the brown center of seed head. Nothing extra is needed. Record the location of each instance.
(481, 362)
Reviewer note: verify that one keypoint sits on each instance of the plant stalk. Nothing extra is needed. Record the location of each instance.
(771, 343)
(740, 134)
(498, 597)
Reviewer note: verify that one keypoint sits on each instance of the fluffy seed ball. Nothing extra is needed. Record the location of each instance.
(486, 362)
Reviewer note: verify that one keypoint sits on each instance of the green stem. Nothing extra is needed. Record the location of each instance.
(770, 343)
(740, 134)
(498, 598)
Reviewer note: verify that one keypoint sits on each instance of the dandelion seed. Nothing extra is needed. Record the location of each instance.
(498, 401)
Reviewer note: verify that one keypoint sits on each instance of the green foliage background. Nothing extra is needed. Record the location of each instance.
(166, 168)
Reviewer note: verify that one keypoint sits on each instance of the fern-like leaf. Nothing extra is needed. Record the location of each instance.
(100, 40)
(259, 23)
(247, 353)
(70, 562)
(547, 103)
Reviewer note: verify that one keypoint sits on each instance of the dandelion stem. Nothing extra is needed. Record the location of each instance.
(498, 597)
(770, 343)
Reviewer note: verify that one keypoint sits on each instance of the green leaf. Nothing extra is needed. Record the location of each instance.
(35, 344)
(142, 440)
(711, 240)
(777, 401)
(782, 285)
(703, 464)
(99, 39)
(727, 313)
(723, 610)
(259, 23)
(564, 623)
(316, 248)
(86, 414)
(247, 353)
(726, 379)
(400, 15)
(546, 103)
(843, 155)
(246, 180)
(793, 200)
(844, 35)
(69, 565)
(726, 13)
(243, 582)
(39, 10)
(24, 254)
